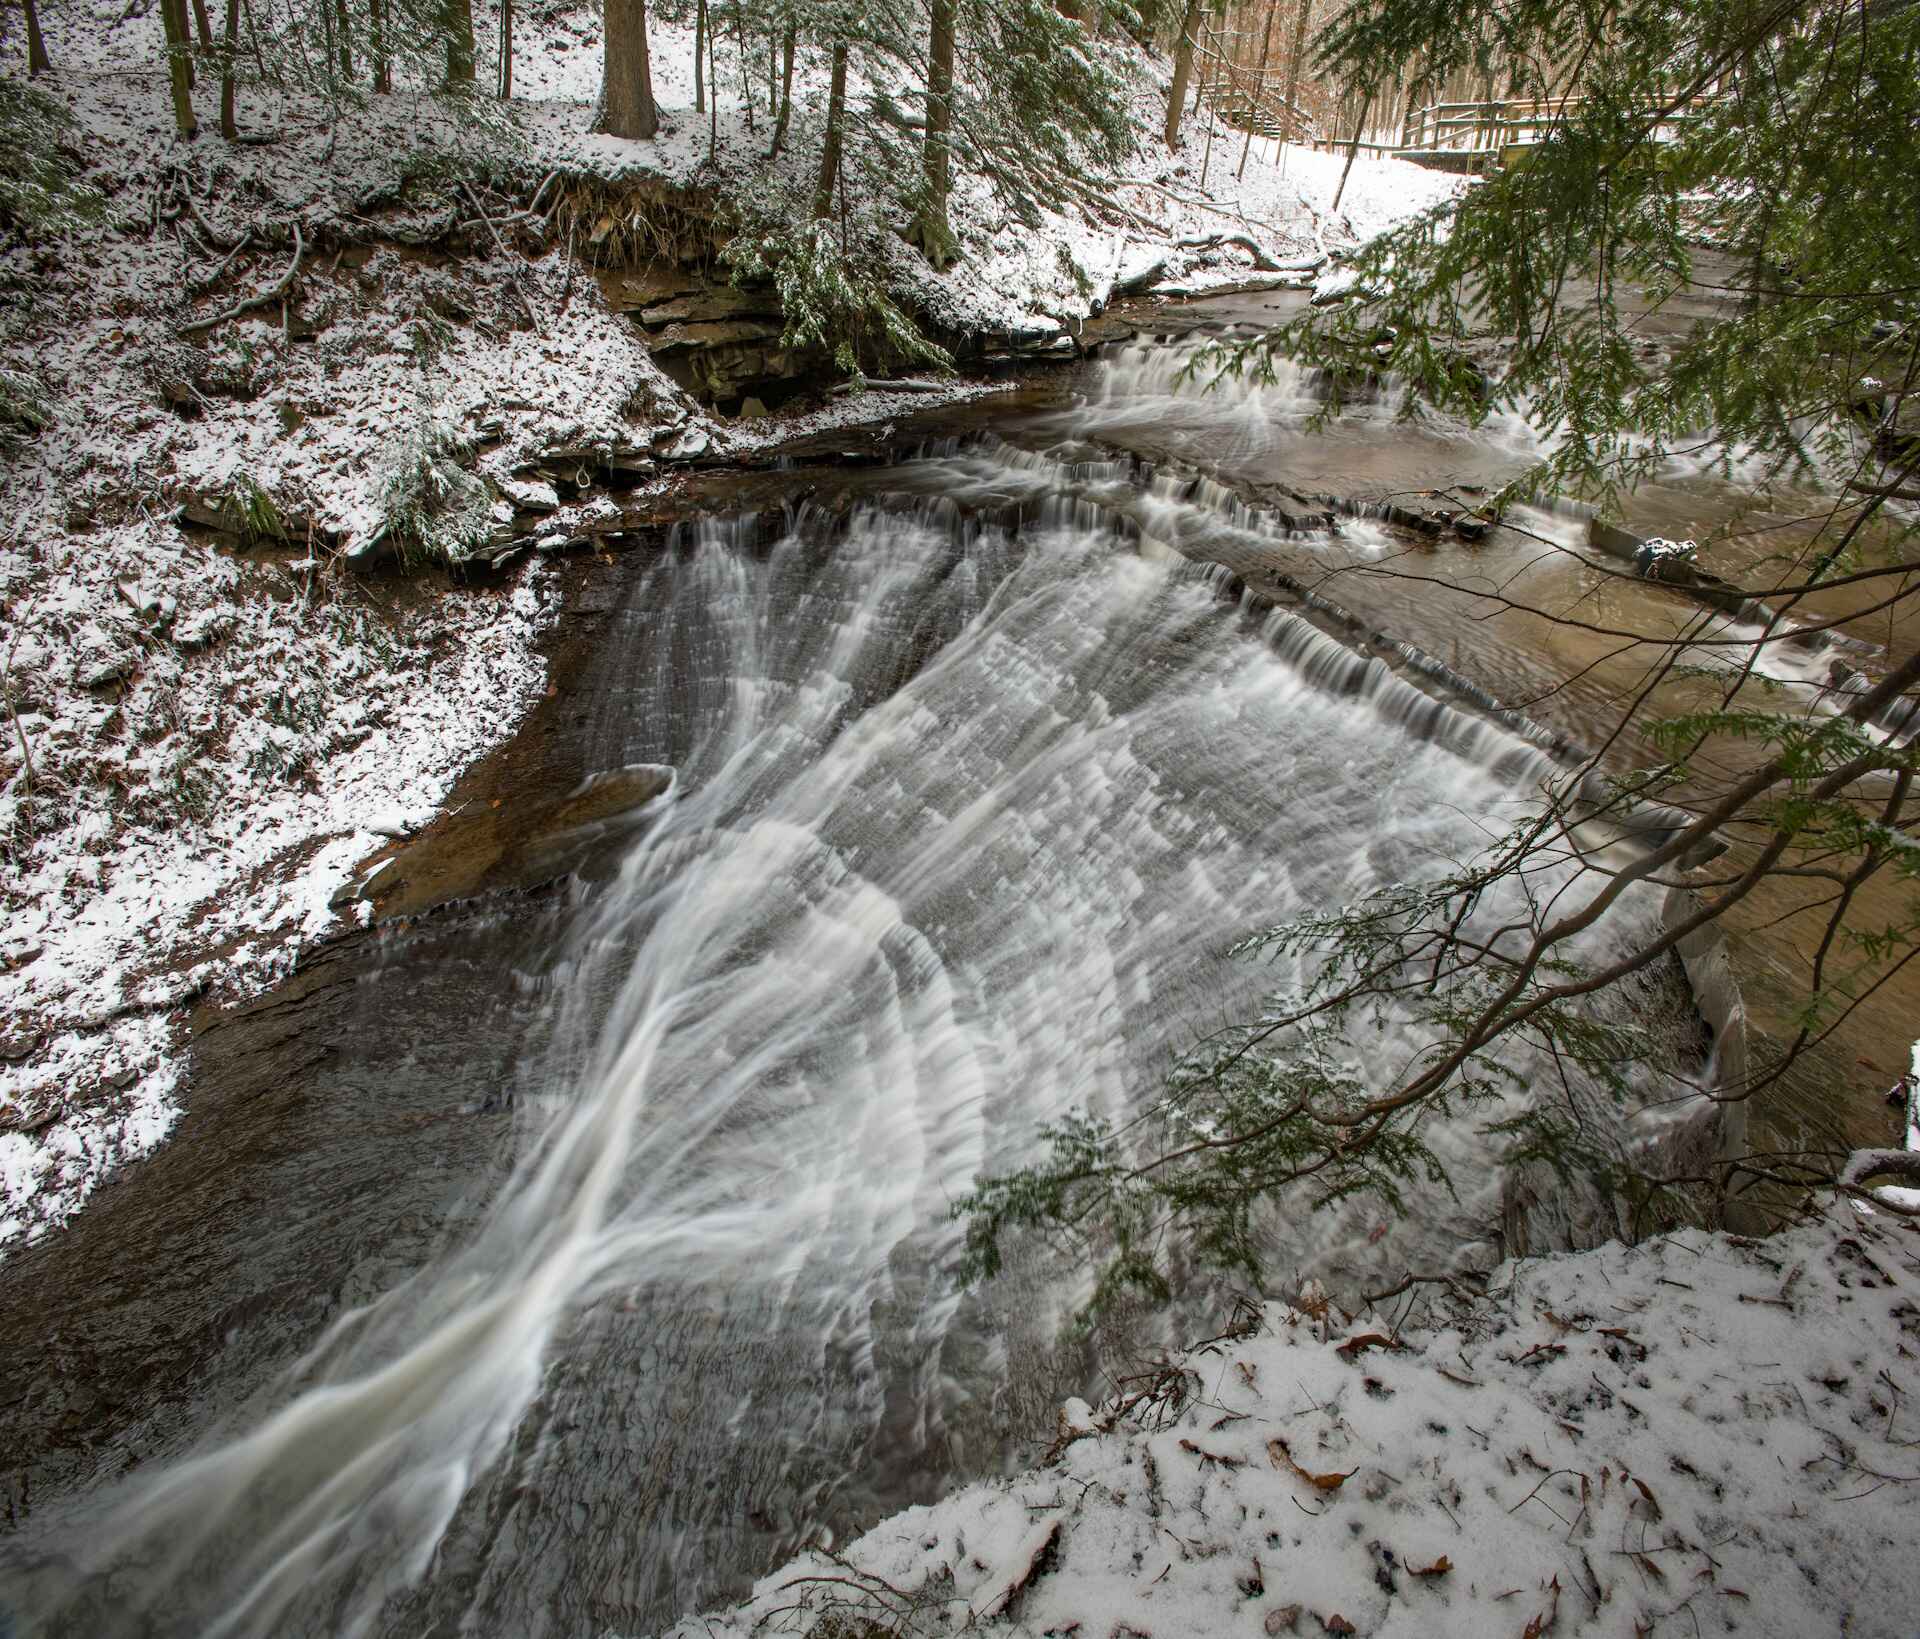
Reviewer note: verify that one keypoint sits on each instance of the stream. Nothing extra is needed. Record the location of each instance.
(559, 1260)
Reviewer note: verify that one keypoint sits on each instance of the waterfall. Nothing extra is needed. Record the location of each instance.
(968, 803)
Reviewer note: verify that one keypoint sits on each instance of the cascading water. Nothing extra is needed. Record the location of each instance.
(963, 819)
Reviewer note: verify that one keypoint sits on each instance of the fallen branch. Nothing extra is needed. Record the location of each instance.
(273, 294)
(901, 386)
(1261, 260)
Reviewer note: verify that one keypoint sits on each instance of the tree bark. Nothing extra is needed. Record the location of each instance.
(931, 230)
(37, 60)
(345, 26)
(173, 17)
(229, 44)
(506, 50)
(456, 17)
(203, 24)
(836, 116)
(377, 29)
(1182, 71)
(626, 82)
(786, 89)
(699, 55)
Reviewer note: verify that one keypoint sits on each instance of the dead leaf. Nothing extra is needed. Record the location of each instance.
(1439, 1567)
(1544, 1619)
(1366, 1340)
(1337, 1623)
(1281, 1457)
(1641, 1486)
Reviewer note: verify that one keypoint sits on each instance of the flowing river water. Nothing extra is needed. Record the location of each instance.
(557, 1264)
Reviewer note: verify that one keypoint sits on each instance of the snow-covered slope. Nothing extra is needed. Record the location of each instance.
(1700, 1435)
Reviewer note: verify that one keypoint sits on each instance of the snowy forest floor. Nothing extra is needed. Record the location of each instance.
(201, 740)
(1702, 1434)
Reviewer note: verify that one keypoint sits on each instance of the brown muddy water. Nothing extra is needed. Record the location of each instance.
(566, 1251)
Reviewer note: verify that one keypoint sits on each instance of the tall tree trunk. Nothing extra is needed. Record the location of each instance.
(836, 117)
(786, 89)
(1359, 130)
(746, 72)
(626, 79)
(456, 17)
(699, 54)
(506, 49)
(1182, 71)
(204, 24)
(37, 60)
(931, 230)
(173, 19)
(182, 31)
(382, 63)
(229, 44)
(1293, 66)
(773, 75)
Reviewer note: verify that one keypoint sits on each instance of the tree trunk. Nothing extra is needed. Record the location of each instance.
(229, 44)
(183, 33)
(699, 55)
(506, 49)
(626, 80)
(37, 60)
(1293, 65)
(786, 89)
(346, 40)
(931, 230)
(377, 27)
(1182, 71)
(773, 76)
(173, 17)
(746, 70)
(1359, 130)
(836, 116)
(203, 24)
(456, 17)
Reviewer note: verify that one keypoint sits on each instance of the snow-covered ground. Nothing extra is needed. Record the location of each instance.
(200, 743)
(1700, 1435)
